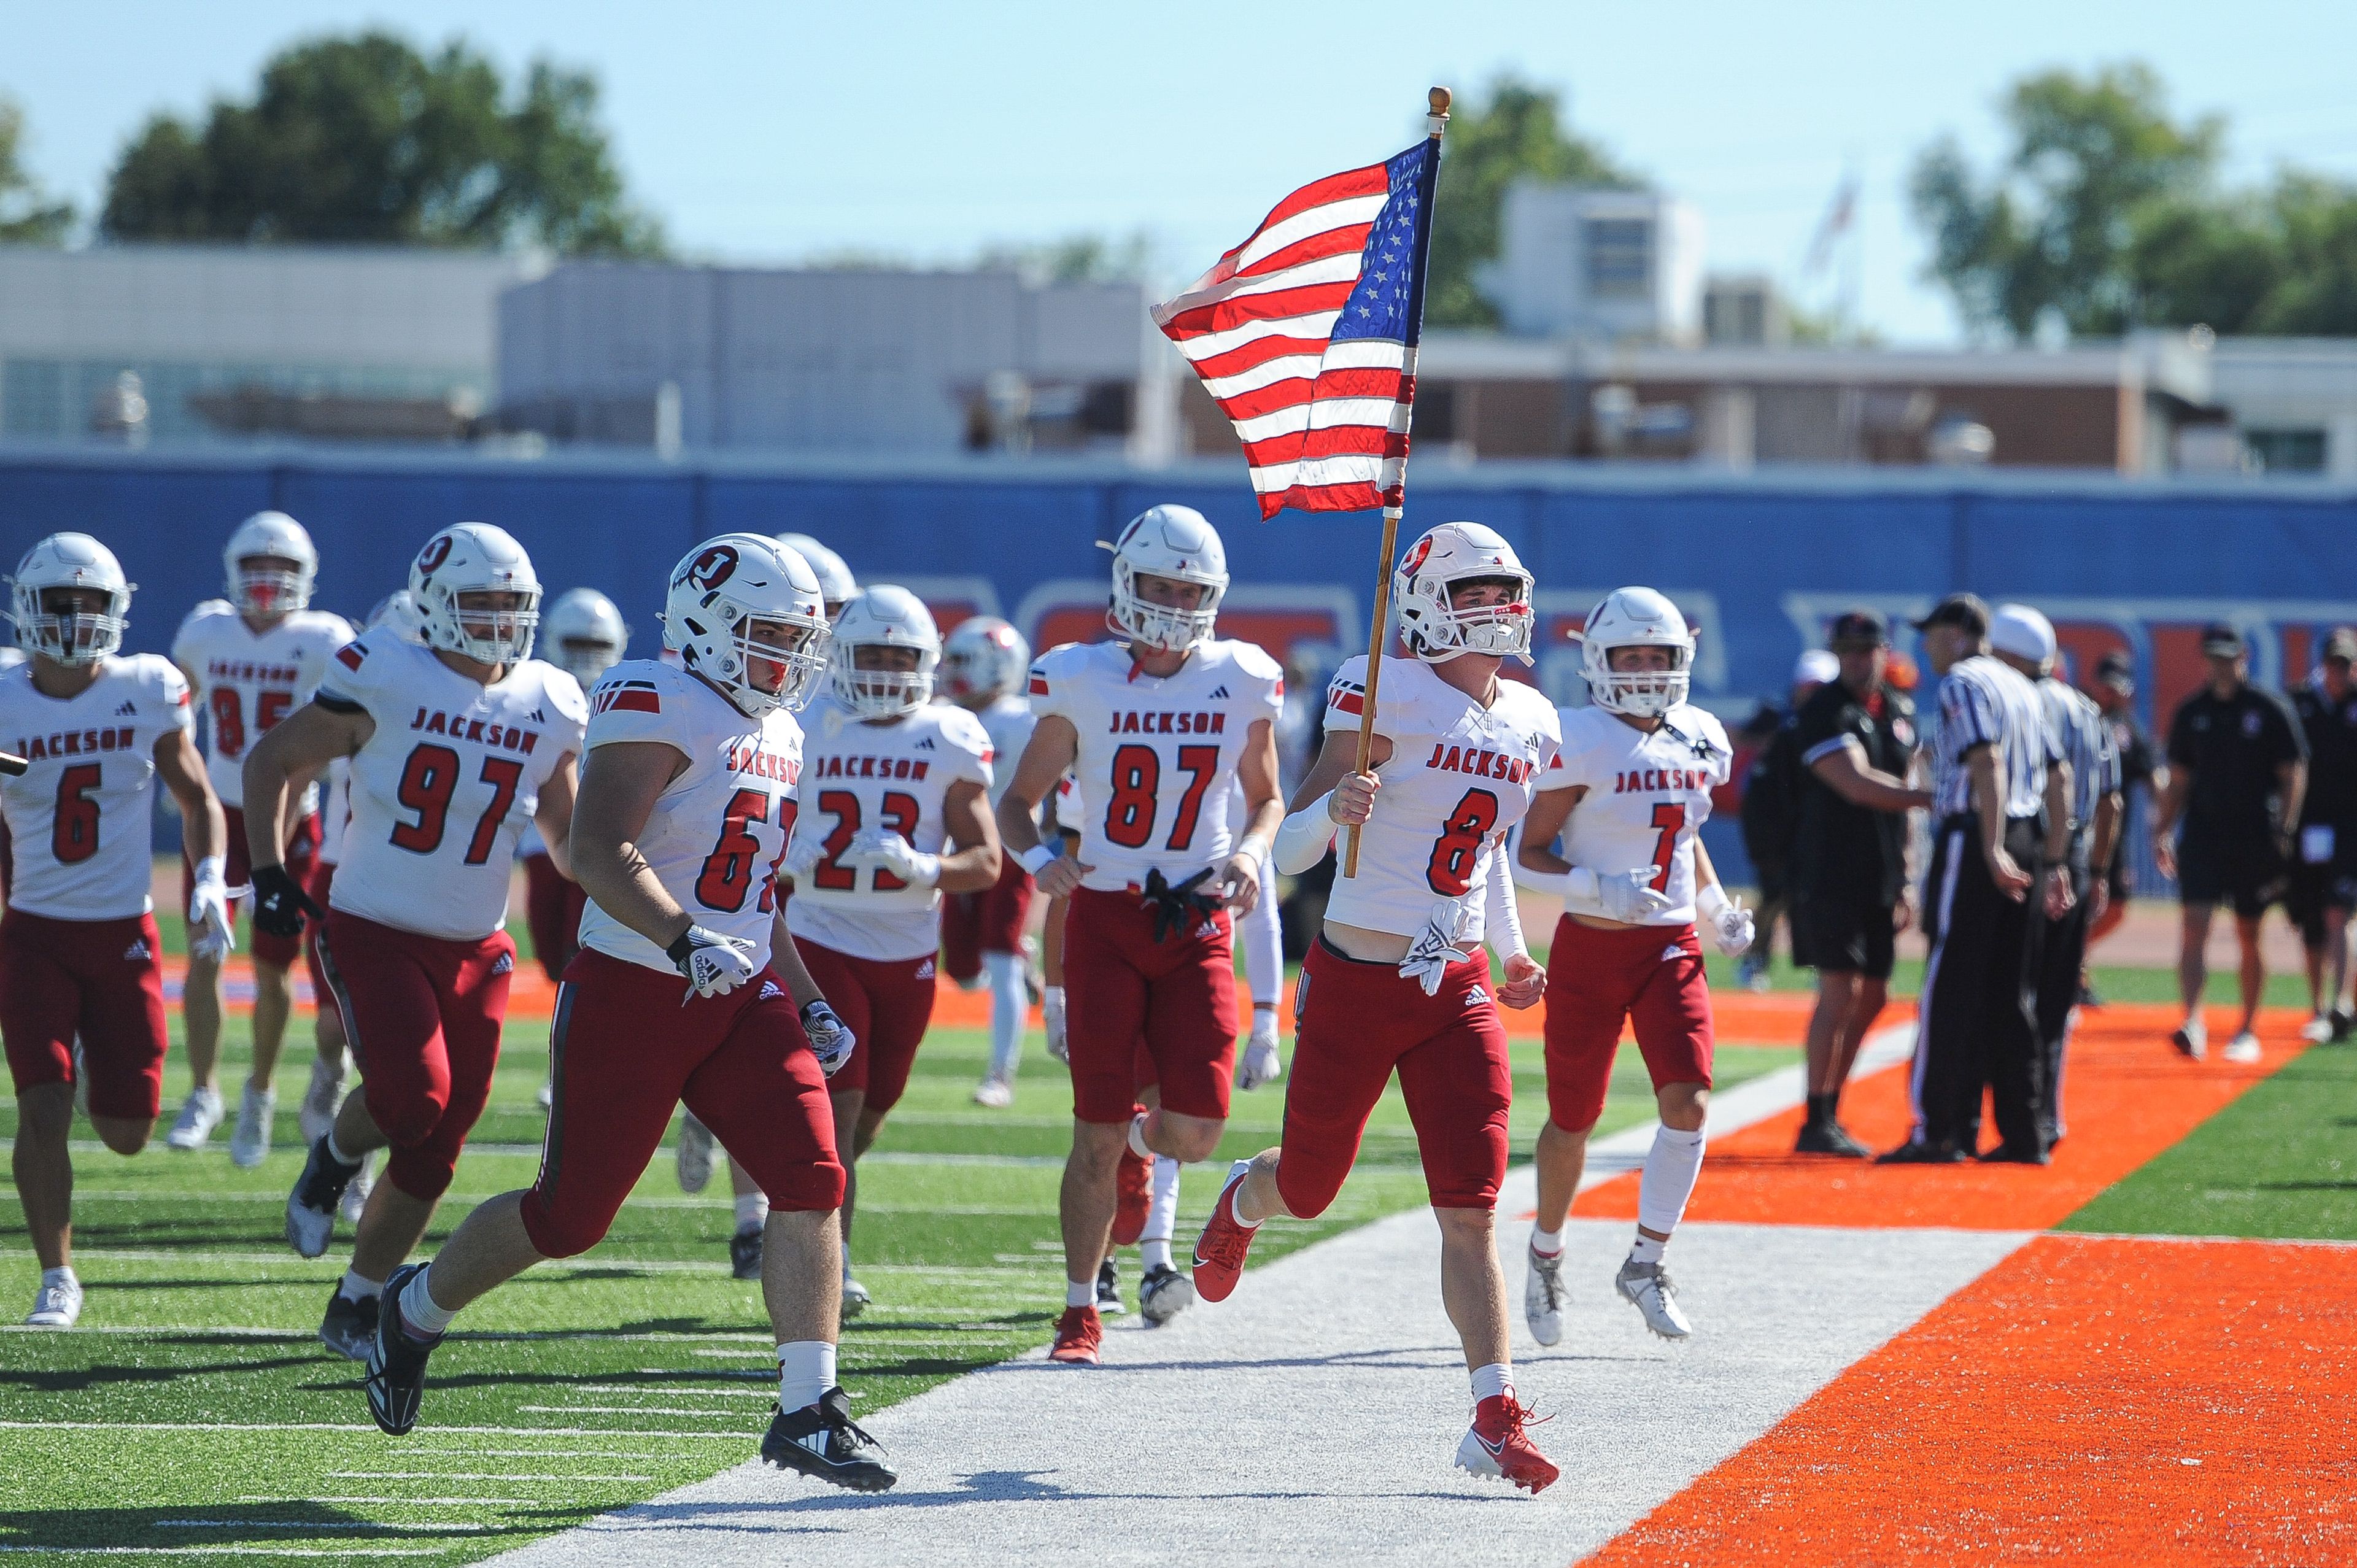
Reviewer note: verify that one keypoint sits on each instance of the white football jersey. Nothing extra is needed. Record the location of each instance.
(1648, 795)
(1157, 755)
(1459, 779)
(1008, 722)
(442, 790)
(717, 831)
(80, 816)
(335, 809)
(246, 682)
(892, 776)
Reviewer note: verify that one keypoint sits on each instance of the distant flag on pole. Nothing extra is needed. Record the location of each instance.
(1304, 335)
(1836, 223)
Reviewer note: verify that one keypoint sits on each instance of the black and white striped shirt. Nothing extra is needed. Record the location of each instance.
(2087, 743)
(1985, 702)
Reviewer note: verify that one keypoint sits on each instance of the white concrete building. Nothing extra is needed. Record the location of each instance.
(2294, 399)
(1603, 266)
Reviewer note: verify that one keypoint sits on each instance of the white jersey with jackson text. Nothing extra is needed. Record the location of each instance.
(1008, 722)
(79, 816)
(446, 783)
(1648, 795)
(717, 831)
(893, 776)
(1156, 754)
(1459, 778)
(247, 681)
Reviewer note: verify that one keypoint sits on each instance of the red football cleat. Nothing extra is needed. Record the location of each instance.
(1497, 1445)
(1220, 1251)
(1078, 1334)
(1135, 1181)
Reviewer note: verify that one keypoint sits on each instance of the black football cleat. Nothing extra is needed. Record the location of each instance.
(396, 1361)
(745, 1253)
(348, 1326)
(1922, 1153)
(1829, 1137)
(822, 1440)
(311, 1207)
(2015, 1154)
(1109, 1291)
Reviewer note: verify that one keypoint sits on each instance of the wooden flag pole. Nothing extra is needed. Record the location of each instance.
(1378, 633)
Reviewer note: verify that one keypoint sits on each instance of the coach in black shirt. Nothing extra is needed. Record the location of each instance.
(1856, 739)
(2324, 860)
(2238, 765)
(2114, 692)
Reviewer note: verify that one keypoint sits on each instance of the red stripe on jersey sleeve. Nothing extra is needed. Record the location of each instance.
(637, 701)
(349, 655)
(1038, 685)
(1349, 703)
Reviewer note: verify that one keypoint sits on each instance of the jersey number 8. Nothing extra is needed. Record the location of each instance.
(1458, 848)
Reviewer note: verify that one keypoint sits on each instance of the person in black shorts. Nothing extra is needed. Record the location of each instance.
(2114, 694)
(1772, 807)
(2323, 885)
(1856, 739)
(2238, 766)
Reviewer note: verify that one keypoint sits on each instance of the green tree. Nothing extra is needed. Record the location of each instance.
(28, 217)
(1517, 132)
(364, 140)
(2095, 160)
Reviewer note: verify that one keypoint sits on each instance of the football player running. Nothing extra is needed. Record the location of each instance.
(984, 664)
(1154, 728)
(583, 635)
(686, 988)
(1627, 797)
(79, 956)
(456, 742)
(1396, 981)
(895, 811)
(252, 660)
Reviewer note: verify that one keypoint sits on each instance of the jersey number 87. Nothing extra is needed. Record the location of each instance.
(1137, 794)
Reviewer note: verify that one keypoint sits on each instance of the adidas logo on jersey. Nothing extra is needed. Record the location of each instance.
(1477, 997)
(503, 964)
(1219, 694)
(926, 744)
(539, 717)
(925, 970)
(137, 951)
(128, 710)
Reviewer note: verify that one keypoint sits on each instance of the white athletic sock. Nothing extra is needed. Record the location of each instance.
(336, 1151)
(1549, 1241)
(425, 1317)
(1262, 938)
(1161, 1214)
(752, 1213)
(356, 1288)
(1492, 1381)
(1079, 1293)
(1646, 1249)
(1671, 1166)
(61, 1275)
(1007, 1005)
(805, 1372)
(1137, 1137)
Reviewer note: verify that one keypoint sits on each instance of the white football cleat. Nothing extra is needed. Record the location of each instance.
(57, 1303)
(996, 1093)
(694, 1153)
(2317, 1030)
(199, 1114)
(2192, 1039)
(2244, 1047)
(321, 1100)
(854, 1298)
(1164, 1293)
(1647, 1288)
(250, 1145)
(1543, 1296)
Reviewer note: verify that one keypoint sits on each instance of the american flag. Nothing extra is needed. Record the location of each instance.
(1304, 335)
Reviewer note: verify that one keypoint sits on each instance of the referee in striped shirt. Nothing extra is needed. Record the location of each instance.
(2001, 806)
(2024, 640)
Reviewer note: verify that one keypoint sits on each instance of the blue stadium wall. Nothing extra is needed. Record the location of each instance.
(1759, 562)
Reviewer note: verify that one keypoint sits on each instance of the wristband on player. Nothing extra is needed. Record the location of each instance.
(1037, 857)
(1711, 902)
(1303, 838)
(210, 870)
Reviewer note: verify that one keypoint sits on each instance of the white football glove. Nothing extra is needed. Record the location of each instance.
(210, 936)
(714, 965)
(1628, 897)
(1734, 928)
(1436, 948)
(1260, 1063)
(830, 1038)
(803, 851)
(887, 851)
(1051, 1008)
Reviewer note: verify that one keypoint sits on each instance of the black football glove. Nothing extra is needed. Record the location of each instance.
(280, 903)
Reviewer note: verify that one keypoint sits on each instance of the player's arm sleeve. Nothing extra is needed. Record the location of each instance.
(183, 642)
(1503, 915)
(1818, 731)
(571, 709)
(1963, 713)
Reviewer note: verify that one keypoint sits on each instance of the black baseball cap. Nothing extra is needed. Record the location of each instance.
(2220, 641)
(1859, 626)
(2341, 645)
(1967, 611)
(2117, 672)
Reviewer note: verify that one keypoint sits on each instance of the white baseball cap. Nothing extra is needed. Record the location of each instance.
(2023, 632)
(1816, 668)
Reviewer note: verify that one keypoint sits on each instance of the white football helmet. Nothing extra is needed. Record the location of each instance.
(468, 559)
(1637, 618)
(884, 615)
(1167, 542)
(984, 658)
(583, 635)
(270, 591)
(1434, 628)
(70, 561)
(399, 611)
(835, 583)
(718, 590)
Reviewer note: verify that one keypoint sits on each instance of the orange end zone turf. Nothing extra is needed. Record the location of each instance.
(2089, 1399)
(2126, 1096)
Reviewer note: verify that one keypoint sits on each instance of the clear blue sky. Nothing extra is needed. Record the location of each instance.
(770, 132)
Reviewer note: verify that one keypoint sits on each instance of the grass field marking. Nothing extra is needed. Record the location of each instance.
(2325, 1242)
(675, 1391)
(466, 1476)
(411, 1502)
(338, 1426)
(456, 1335)
(227, 1550)
(308, 1524)
(627, 1409)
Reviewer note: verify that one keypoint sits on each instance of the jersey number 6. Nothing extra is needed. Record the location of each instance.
(1458, 848)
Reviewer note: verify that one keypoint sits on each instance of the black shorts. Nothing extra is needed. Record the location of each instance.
(1847, 935)
(2246, 872)
(2310, 891)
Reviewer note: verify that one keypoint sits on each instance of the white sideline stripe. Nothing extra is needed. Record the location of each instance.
(410, 1502)
(674, 1392)
(463, 1476)
(586, 1263)
(880, 1156)
(85, 1195)
(492, 1335)
(338, 1427)
(618, 1410)
(312, 1525)
(227, 1550)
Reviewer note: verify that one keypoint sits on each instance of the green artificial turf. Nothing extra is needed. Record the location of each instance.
(195, 1409)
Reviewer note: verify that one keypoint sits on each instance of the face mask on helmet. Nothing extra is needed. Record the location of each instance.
(495, 626)
(743, 612)
(783, 663)
(73, 625)
(866, 687)
(1175, 544)
(585, 660)
(1167, 628)
(1629, 620)
(271, 564)
(983, 660)
(272, 586)
(1437, 628)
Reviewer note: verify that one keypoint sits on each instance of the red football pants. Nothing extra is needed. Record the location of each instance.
(1650, 975)
(551, 912)
(887, 1002)
(96, 978)
(1177, 995)
(991, 920)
